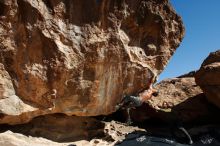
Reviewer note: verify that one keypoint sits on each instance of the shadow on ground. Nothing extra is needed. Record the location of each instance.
(60, 128)
(196, 115)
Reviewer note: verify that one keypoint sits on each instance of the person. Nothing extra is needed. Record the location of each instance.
(130, 101)
(147, 94)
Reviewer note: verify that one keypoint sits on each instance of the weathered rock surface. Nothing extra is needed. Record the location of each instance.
(62, 130)
(9, 138)
(208, 77)
(177, 100)
(172, 92)
(80, 57)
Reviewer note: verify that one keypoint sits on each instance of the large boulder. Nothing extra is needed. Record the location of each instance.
(208, 77)
(80, 57)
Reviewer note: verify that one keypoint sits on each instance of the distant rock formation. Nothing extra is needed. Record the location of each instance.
(180, 99)
(172, 92)
(80, 57)
(208, 77)
(176, 100)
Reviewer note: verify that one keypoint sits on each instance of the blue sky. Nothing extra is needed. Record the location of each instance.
(202, 23)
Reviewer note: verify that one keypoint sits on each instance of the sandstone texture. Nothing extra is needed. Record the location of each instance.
(179, 99)
(172, 92)
(9, 138)
(80, 57)
(176, 100)
(62, 130)
(208, 77)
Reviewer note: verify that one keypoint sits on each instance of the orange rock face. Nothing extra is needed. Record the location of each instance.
(177, 99)
(91, 52)
(208, 77)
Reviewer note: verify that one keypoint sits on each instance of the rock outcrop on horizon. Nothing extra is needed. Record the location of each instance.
(79, 57)
(208, 77)
(180, 99)
(172, 92)
(176, 100)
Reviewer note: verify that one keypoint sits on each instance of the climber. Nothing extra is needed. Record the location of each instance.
(147, 94)
(129, 102)
(136, 101)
